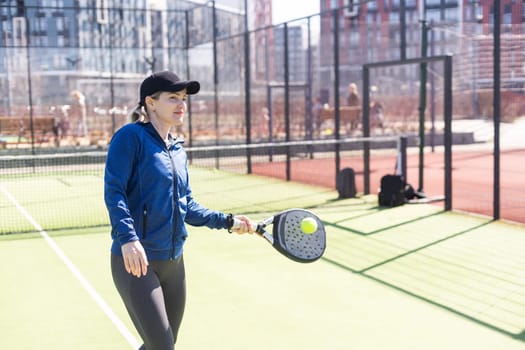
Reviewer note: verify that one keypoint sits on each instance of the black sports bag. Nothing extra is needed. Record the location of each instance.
(392, 191)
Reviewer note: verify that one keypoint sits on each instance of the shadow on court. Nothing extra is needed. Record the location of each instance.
(469, 266)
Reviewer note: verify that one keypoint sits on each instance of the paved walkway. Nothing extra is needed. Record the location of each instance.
(511, 134)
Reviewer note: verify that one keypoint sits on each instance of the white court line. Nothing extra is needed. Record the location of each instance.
(83, 281)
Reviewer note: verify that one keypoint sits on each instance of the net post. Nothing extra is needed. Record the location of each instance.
(403, 156)
(366, 129)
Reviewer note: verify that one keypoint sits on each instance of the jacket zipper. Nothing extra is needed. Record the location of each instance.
(144, 220)
(175, 199)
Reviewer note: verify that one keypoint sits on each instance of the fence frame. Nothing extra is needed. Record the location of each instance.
(30, 46)
(447, 108)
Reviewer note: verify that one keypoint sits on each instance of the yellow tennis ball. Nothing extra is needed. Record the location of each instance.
(308, 225)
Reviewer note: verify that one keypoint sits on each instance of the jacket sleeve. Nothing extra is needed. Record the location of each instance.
(197, 215)
(120, 161)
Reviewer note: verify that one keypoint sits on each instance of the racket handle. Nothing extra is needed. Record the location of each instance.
(258, 228)
(237, 224)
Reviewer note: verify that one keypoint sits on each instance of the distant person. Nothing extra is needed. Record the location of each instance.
(149, 200)
(376, 114)
(63, 123)
(78, 113)
(60, 123)
(354, 100)
(264, 129)
(317, 107)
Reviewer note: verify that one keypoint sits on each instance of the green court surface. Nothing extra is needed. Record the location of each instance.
(411, 277)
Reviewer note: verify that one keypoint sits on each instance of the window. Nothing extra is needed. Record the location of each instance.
(432, 2)
(60, 24)
(451, 15)
(351, 9)
(370, 19)
(19, 31)
(102, 11)
(354, 38)
(143, 37)
(507, 15)
(433, 15)
(41, 24)
(394, 17)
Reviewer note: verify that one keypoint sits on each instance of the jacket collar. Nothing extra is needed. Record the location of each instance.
(172, 141)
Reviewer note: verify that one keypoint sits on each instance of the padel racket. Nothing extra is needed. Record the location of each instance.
(288, 237)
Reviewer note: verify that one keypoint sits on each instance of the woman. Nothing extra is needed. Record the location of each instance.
(78, 113)
(149, 200)
(353, 99)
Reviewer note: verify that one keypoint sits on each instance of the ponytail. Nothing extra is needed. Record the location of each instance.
(138, 114)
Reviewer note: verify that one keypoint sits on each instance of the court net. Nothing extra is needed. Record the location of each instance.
(62, 191)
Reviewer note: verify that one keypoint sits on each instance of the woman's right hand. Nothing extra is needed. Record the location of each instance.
(135, 259)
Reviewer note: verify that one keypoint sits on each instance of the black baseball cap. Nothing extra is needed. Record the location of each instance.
(166, 81)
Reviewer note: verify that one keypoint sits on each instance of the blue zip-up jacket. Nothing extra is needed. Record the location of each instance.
(147, 193)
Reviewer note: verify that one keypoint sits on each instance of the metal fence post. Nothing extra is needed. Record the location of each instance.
(247, 92)
(496, 107)
(335, 14)
(447, 109)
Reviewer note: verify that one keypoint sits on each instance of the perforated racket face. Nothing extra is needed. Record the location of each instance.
(293, 241)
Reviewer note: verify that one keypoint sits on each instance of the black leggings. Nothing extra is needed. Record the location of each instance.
(155, 302)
